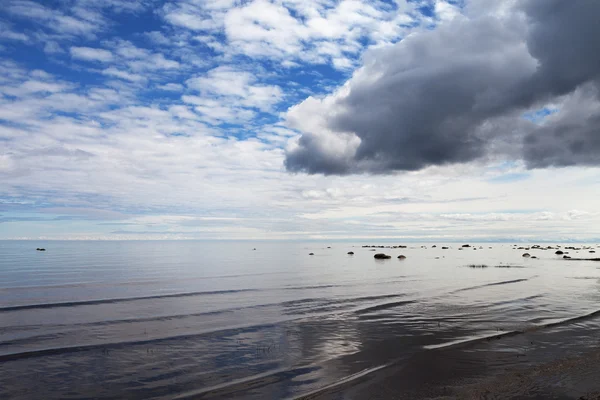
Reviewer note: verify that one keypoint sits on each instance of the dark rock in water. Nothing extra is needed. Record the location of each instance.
(328, 247)
(401, 257)
(445, 248)
(254, 249)
(558, 252)
(311, 254)
(592, 251)
(526, 255)
(533, 257)
(381, 256)
(466, 245)
(566, 257)
(350, 253)
(40, 249)
(433, 246)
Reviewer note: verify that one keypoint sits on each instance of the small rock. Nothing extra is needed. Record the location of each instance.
(558, 252)
(311, 254)
(350, 253)
(40, 249)
(401, 257)
(445, 248)
(466, 245)
(566, 257)
(526, 255)
(381, 256)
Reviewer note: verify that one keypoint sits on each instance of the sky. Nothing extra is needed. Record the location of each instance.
(406, 120)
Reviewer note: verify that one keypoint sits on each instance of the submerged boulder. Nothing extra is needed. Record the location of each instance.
(381, 256)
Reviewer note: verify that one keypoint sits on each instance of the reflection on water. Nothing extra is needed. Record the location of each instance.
(143, 320)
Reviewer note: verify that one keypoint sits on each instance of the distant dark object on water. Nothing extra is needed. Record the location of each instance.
(477, 266)
(401, 257)
(381, 256)
(526, 255)
(592, 251)
(40, 249)
(582, 259)
(466, 245)
(433, 246)
(311, 254)
(559, 252)
(350, 253)
(445, 248)
(254, 249)
(533, 257)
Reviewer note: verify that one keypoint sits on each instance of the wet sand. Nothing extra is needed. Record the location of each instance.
(558, 362)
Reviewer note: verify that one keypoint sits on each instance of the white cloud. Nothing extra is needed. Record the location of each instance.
(53, 48)
(57, 20)
(91, 54)
(240, 87)
(309, 31)
(171, 87)
(7, 34)
(128, 76)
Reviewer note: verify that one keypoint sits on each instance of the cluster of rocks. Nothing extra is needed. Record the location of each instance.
(382, 256)
(558, 251)
(384, 247)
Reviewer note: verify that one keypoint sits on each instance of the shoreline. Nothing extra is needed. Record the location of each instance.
(557, 360)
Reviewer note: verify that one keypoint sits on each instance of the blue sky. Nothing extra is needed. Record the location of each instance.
(147, 119)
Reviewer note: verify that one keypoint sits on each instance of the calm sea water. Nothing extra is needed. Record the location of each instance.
(162, 320)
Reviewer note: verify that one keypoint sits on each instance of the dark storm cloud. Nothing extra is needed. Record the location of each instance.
(458, 93)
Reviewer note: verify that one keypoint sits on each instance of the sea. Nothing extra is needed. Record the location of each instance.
(265, 320)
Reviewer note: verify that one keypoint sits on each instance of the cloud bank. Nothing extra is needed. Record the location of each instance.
(459, 93)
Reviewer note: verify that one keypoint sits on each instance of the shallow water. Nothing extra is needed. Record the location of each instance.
(159, 320)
